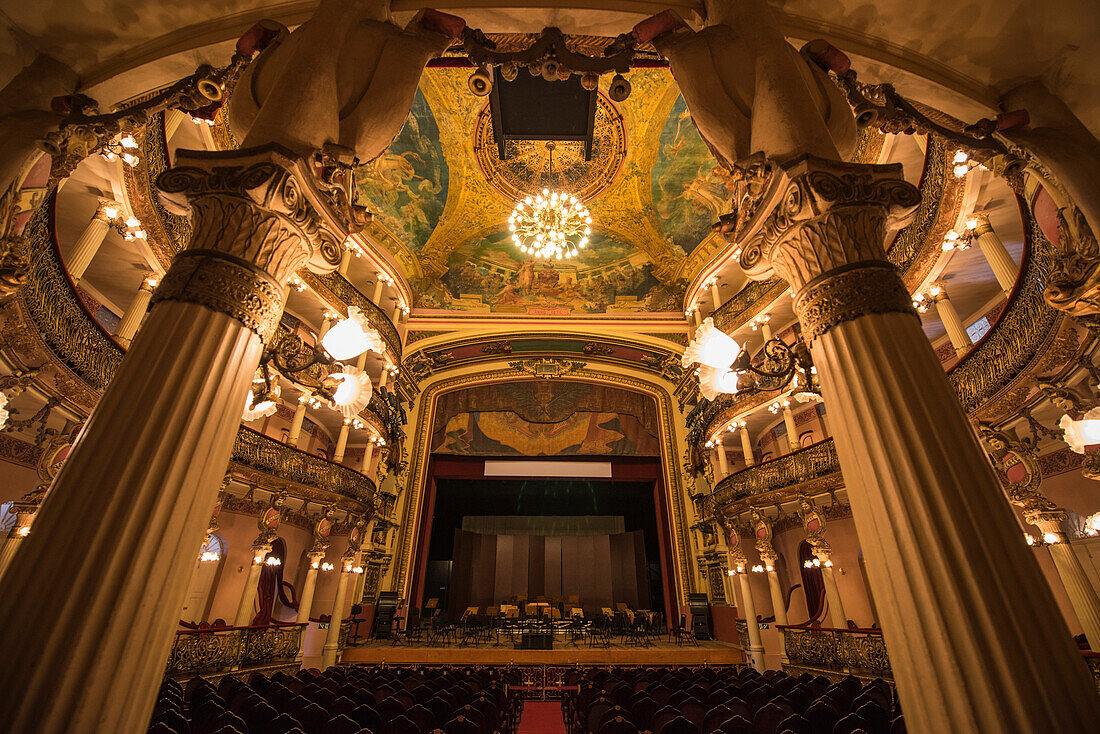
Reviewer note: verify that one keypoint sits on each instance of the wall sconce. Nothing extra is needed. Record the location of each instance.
(357, 569)
(1092, 525)
(327, 566)
(209, 557)
(273, 561)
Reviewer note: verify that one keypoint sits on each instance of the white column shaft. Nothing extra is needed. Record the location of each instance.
(723, 461)
(960, 340)
(296, 425)
(715, 296)
(7, 552)
(305, 602)
(756, 647)
(332, 638)
(368, 454)
(792, 430)
(246, 610)
(779, 610)
(345, 261)
(86, 247)
(837, 617)
(1082, 595)
(341, 443)
(746, 446)
(135, 312)
(997, 255)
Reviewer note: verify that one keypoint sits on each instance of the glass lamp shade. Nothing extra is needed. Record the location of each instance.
(711, 347)
(265, 406)
(1082, 433)
(352, 336)
(353, 391)
(714, 381)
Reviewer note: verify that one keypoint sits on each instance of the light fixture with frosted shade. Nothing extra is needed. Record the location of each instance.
(353, 391)
(352, 336)
(713, 381)
(711, 347)
(260, 407)
(1082, 433)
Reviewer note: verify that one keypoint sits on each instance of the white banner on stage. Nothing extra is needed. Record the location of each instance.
(549, 469)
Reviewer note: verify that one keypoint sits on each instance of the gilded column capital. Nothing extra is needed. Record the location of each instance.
(1048, 521)
(762, 530)
(258, 215)
(821, 226)
(322, 530)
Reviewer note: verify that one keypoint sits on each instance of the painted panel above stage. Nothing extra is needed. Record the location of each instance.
(441, 196)
(545, 418)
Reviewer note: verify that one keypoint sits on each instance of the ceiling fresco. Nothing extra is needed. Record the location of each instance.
(441, 198)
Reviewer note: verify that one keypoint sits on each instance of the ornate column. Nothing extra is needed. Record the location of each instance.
(246, 609)
(295, 435)
(763, 531)
(996, 254)
(380, 280)
(740, 567)
(134, 496)
(329, 652)
(1019, 459)
(928, 509)
(746, 444)
(1082, 595)
(322, 531)
(87, 245)
(715, 296)
(24, 511)
(723, 460)
(792, 430)
(368, 454)
(813, 522)
(345, 262)
(342, 441)
(956, 333)
(326, 323)
(131, 320)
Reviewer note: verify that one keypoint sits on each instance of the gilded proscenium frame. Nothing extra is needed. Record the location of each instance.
(671, 440)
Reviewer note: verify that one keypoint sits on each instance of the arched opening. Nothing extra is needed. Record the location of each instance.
(812, 582)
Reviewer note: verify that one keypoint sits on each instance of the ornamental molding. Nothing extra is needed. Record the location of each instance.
(547, 368)
(412, 490)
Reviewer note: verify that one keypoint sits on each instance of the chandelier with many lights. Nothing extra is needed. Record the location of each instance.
(552, 224)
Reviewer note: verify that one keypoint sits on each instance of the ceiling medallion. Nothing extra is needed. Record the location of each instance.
(524, 166)
(551, 225)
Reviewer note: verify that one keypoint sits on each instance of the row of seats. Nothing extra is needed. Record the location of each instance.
(356, 700)
(734, 700)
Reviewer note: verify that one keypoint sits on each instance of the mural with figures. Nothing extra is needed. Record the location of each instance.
(688, 186)
(406, 187)
(441, 200)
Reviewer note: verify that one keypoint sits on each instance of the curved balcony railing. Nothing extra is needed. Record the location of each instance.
(257, 451)
(214, 650)
(83, 346)
(804, 465)
(335, 287)
(859, 652)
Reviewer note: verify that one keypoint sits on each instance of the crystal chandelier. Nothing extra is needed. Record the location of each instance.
(552, 225)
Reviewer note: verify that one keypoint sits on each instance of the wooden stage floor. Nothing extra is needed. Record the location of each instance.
(660, 653)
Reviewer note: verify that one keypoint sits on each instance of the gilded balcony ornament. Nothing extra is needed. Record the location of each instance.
(1018, 463)
(813, 523)
(856, 652)
(816, 462)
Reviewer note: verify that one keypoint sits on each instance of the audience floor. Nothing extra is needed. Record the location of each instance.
(541, 717)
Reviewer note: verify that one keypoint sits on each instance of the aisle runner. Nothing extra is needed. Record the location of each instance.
(541, 717)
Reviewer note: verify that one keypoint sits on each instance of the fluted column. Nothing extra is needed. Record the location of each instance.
(762, 528)
(723, 460)
(964, 607)
(246, 609)
(131, 320)
(945, 309)
(756, 646)
(996, 254)
(746, 444)
(332, 639)
(134, 496)
(1082, 595)
(345, 262)
(88, 244)
(295, 435)
(305, 602)
(24, 517)
(368, 454)
(837, 617)
(792, 430)
(342, 441)
(715, 296)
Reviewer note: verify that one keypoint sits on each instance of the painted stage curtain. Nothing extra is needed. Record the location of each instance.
(601, 570)
(545, 418)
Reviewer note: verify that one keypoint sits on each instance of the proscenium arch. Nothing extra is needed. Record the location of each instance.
(671, 437)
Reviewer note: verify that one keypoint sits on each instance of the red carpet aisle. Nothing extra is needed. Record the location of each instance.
(541, 717)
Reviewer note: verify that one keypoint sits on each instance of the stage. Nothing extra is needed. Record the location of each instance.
(659, 653)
